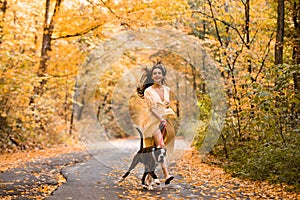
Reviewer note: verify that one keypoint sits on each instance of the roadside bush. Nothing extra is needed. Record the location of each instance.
(272, 161)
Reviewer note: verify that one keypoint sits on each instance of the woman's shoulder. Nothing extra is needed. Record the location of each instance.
(148, 89)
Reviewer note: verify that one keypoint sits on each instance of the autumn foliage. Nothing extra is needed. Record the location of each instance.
(44, 43)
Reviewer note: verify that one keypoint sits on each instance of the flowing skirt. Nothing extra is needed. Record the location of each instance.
(168, 135)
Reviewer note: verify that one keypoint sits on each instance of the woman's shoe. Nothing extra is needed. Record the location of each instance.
(169, 179)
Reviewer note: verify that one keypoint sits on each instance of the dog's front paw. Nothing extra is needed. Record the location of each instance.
(149, 187)
(156, 181)
(145, 186)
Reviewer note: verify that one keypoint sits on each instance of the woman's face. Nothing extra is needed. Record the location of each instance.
(157, 75)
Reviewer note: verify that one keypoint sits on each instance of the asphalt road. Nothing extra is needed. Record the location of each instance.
(93, 174)
(34, 180)
(97, 177)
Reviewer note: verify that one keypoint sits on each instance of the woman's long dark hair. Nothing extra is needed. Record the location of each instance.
(146, 79)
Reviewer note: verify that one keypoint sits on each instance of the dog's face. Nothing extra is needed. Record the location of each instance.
(160, 154)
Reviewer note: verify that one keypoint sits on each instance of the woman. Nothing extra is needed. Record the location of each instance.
(158, 128)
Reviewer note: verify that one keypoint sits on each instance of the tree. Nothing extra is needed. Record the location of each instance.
(296, 48)
(42, 50)
(3, 7)
(46, 45)
(279, 33)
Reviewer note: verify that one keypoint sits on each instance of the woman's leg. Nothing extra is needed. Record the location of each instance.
(167, 176)
(158, 139)
(165, 169)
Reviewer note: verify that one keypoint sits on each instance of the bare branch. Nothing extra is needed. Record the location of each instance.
(56, 10)
(109, 8)
(215, 22)
(223, 22)
(77, 34)
(265, 57)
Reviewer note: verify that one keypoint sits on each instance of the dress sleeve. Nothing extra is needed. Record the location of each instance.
(149, 99)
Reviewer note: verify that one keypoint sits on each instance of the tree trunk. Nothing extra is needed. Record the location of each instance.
(46, 47)
(296, 51)
(279, 33)
(279, 57)
(247, 23)
(3, 7)
(247, 32)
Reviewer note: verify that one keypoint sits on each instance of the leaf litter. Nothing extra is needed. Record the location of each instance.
(195, 179)
(36, 174)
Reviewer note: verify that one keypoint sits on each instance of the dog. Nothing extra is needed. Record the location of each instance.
(149, 157)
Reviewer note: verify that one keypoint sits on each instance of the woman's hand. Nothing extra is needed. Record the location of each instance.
(163, 124)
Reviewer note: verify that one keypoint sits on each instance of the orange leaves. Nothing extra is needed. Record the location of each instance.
(13, 160)
(209, 180)
(29, 175)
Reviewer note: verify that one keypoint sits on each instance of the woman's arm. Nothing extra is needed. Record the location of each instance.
(160, 118)
(155, 113)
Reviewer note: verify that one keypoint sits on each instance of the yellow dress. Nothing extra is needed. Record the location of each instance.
(151, 125)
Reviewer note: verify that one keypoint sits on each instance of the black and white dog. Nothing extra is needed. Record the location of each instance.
(150, 157)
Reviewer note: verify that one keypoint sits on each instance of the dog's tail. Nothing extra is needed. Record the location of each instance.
(141, 136)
